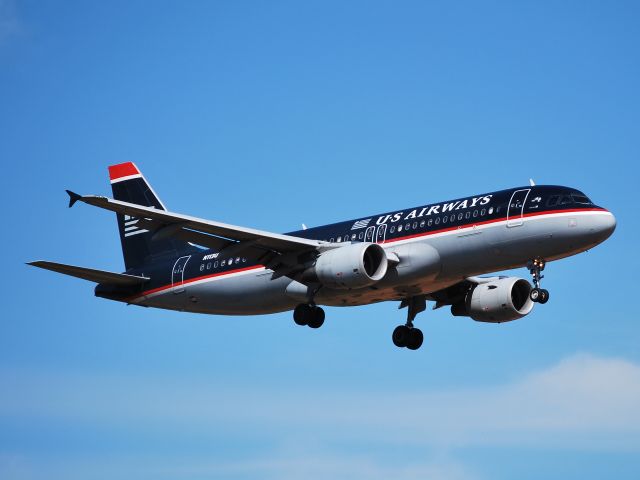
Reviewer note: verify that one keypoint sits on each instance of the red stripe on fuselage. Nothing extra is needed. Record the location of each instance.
(495, 220)
(195, 279)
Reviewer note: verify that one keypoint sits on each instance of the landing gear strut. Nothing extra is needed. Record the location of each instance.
(407, 335)
(309, 314)
(537, 294)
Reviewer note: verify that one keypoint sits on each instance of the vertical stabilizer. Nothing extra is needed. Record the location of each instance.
(138, 247)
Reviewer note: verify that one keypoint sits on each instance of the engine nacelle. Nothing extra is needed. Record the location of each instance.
(352, 266)
(497, 301)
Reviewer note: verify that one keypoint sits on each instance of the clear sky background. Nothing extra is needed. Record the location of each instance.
(269, 114)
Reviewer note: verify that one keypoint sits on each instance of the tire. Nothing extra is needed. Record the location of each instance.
(415, 339)
(316, 317)
(401, 335)
(544, 296)
(535, 294)
(300, 314)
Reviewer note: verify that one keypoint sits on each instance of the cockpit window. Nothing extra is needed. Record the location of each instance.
(581, 199)
(566, 200)
(553, 200)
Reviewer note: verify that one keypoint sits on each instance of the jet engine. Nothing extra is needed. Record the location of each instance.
(351, 266)
(501, 300)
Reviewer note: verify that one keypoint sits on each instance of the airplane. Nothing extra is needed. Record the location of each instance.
(435, 252)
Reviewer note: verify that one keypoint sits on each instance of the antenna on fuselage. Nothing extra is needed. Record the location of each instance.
(304, 227)
(531, 182)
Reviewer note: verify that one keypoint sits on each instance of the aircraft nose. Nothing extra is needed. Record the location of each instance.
(602, 226)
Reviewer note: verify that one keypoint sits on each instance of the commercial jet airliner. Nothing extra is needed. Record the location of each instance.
(434, 252)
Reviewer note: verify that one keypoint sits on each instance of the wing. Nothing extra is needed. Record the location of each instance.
(98, 276)
(227, 238)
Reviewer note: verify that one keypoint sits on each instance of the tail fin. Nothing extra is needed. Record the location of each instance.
(138, 245)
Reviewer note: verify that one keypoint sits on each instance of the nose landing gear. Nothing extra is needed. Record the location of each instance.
(537, 294)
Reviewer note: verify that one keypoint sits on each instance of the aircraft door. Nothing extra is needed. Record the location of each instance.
(369, 234)
(516, 207)
(177, 274)
(382, 233)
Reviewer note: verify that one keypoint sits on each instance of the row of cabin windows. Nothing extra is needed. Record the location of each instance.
(409, 226)
(222, 263)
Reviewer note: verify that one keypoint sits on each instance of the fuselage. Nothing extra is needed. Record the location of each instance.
(436, 245)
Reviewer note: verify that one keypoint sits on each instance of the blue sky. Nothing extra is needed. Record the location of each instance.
(269, 114)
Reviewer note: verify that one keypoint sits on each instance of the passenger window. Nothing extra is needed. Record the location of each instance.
(353, 237)
(202, 267)
(361, 236)
(422, 224)
(244, 260)
(231, 261)
(392, 229)
(209, 266)
(437, 220)
(339, 239)
(224, 263)
(453, 217)
(331, 240)
(460, 215)
(467, 215)
(483, 211)
(430, 222)
(215, 265)
(491, 210)
(415, 225)
(237, 259)
(399, 228)
(407, 226)
(475, 213)
(445, 219)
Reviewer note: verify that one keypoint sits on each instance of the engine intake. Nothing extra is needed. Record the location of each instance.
(351, 266)
(497, 301)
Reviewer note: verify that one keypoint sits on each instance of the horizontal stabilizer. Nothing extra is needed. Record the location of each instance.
(98, 276)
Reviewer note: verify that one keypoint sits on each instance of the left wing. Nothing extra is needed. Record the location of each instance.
(204, 232)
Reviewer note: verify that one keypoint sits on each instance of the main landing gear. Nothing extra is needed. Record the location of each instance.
(407, 335)
(537, 294)
(309, 314)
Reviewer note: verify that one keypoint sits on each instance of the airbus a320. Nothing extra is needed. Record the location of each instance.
(434, 252)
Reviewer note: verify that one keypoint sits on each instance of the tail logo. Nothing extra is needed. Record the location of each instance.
(130, 227)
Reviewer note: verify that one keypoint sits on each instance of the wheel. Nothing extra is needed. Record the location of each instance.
(544, 296)
(401, 336)
(316, 319)
(301, 314)
(535, 294)
(415, 339)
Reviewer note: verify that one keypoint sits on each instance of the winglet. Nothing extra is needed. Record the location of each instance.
(73, 197)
